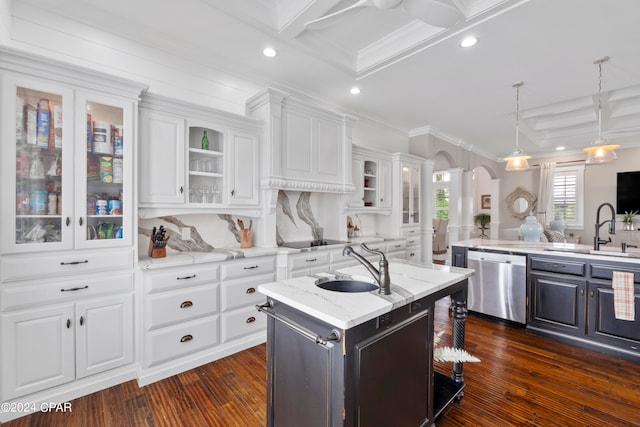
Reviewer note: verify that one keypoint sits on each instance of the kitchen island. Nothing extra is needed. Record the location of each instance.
(343, 359)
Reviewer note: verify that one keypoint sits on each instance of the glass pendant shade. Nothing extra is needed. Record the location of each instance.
(600, 152)
(517, 161)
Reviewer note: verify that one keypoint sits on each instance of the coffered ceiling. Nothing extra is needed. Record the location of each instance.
(415, 76)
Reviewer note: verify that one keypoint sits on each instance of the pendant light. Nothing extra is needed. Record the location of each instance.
(517, 161)
(600, 151)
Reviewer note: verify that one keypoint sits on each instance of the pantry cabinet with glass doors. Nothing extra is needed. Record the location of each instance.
(72, 164)
(67, 229)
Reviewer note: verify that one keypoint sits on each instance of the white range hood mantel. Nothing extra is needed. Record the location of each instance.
(304, 148)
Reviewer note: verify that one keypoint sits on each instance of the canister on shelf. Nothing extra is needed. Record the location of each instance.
(102, 207)
(52, 205)
(38, 203)
(102, 138)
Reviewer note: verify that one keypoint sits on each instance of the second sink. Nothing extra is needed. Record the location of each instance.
(346, 285)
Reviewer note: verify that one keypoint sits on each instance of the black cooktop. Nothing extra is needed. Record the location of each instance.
(312, 243)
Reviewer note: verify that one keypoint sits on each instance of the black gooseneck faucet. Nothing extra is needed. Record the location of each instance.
(597, 241)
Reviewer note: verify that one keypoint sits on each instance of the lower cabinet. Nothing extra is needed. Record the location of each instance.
(199, 313)
(574, 299)
(54, 345)
(372, 375)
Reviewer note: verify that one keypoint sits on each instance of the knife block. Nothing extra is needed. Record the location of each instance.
(156, 252)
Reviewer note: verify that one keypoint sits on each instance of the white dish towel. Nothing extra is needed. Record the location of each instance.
(623, 297)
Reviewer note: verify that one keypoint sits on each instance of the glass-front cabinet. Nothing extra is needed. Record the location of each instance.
(410, 194)
(69, 153)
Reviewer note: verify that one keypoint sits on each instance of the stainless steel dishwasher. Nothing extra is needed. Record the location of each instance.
(499, 287)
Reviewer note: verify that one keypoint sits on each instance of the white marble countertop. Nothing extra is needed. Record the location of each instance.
(576, 250)
(177, 259)
(409, 282)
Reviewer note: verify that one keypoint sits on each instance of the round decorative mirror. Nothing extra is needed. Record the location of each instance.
(520, 202)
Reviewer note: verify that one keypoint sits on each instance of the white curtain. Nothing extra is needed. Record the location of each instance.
(545, 192)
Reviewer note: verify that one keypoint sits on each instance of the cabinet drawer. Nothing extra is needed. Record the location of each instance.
(558, 266)
(308, 260)
(247, 267)
(39, 292)
(243, 292)
(180, 305)
(396, 246)
(601, 271)
(413, 241)
(162, 280)
(410, 232)
(19, 267)
(186, 338)
(242, 322)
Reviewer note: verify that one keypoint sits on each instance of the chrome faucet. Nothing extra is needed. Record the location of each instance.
(597, 241)
(381, 275)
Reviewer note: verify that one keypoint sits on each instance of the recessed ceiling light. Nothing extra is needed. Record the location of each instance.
(469, 41)
(355, 90)
(559, 148)
(269, 52)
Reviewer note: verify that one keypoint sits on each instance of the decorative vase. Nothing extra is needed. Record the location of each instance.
(558, 224)
(627, 226)
(531, 230)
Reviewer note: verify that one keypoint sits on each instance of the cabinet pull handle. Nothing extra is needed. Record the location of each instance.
(251, 267)
(186, 304)
(412, 231)
(80, 221)
(181, 189)
(81, 320)
(186, 338)
(86, 261)
(397, 246)
(382, 200)
(74, 289)
(251, 290)
(186, 277)
(68, 323)
(311, 260)
(251, 319)
(233, 192)
(68, 221)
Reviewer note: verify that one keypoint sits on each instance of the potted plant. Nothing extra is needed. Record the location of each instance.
(628, 219)
(482, 220)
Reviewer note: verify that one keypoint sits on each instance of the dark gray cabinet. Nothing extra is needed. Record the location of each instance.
(378, 373)
(458, 256)
(572, 299)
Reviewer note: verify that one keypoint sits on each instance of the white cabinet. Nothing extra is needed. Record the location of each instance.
(405, 212)
(56, 344)
(162, 154)
(244, 168)
(199, 313)
(68, 181)
(372, 178)
(306, 263)
(194, 158)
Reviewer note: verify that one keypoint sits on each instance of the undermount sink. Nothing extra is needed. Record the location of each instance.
(346, 285)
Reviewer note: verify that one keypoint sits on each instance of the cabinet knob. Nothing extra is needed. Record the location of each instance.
(68, 221)
(251, 290)
(382, 200)
(591, 294)
(186, 338)
(81, 320)
(181, 189)
(80, 221)
(233, 192)
(581, 292)
(68, 323)
(251, 319)
(186, 304)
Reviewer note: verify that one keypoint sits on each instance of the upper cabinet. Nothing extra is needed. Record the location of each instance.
(371, 171)
(405, 214)
(195, 159)
(68, 142)
(306, 148)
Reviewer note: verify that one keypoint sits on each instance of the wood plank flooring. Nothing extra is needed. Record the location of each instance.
(523, 380)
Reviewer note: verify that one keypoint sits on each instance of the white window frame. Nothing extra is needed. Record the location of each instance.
(437, 185)
(578, 172)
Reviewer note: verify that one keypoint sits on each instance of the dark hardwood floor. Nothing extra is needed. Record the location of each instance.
(523, 380)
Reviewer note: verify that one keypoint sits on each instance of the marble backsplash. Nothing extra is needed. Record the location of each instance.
(296, 220)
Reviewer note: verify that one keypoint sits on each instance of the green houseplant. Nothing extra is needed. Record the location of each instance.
(628, 219)
(482, 220)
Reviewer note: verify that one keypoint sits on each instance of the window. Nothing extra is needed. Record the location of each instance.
(568, 195)
(441, 194)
